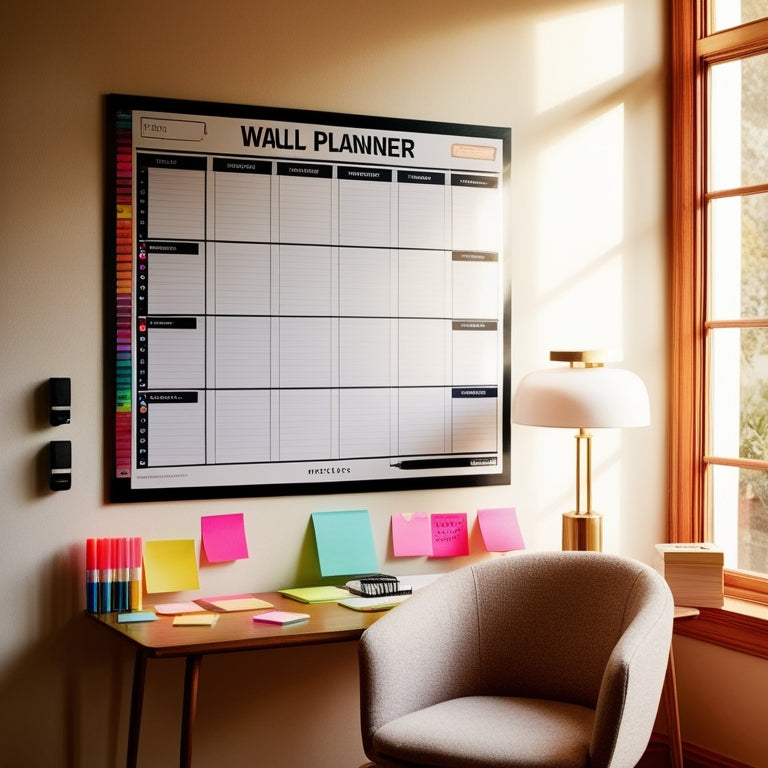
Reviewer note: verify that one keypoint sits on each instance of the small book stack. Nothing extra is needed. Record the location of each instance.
(694, 573)
(378, 585)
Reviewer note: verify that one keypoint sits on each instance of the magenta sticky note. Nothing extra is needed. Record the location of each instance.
(224, 537)
(500, 529)
(449, 535)
(411, 536)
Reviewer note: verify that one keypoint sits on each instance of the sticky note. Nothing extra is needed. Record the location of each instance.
(136, 616)
(500, 529)
(171, 609)
(449, 535)
(170, 565)
(344, 542)
(223, 537)
(411, 536)
(196, 620)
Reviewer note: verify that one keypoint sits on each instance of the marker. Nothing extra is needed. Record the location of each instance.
(104, 560)
(91, 577)
(135, 573)
(456, 461)
(121, 575)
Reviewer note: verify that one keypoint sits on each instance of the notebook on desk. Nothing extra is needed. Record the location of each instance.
(378, 585)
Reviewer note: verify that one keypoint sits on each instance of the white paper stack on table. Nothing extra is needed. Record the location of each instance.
(694, 573)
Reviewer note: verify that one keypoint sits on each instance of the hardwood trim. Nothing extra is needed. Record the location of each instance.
(657, 755)
(722, 461)
(686, 392)
(734, 43)
(733, 627)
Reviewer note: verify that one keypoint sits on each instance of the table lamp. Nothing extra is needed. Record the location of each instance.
(583, 395)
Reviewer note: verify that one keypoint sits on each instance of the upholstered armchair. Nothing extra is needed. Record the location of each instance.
(554, 659)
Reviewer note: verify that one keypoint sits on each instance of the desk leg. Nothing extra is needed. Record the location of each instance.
(191, 678)
(137, 702)
(673, 715)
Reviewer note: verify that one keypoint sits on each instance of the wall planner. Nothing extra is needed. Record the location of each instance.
(303, 302)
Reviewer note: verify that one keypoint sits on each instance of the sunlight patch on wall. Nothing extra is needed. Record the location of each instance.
(579, 234)
(577, 52)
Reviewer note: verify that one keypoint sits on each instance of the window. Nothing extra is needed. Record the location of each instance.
(719, 280)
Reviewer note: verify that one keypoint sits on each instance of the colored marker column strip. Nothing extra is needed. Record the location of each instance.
(124, 276)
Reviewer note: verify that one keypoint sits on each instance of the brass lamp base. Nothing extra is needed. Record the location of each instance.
(583, 531)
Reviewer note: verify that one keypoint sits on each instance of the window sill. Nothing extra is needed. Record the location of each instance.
(740, 625)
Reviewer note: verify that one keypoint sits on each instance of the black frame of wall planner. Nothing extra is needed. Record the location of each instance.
(303, 302)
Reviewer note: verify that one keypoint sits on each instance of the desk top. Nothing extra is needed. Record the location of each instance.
(237, 631)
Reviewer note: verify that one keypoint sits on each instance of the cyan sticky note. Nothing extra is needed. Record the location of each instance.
(223, 537)
(450, 537)
(135, 617)
(345, 542)
(170, 565)
(500, 529)
(411, 536)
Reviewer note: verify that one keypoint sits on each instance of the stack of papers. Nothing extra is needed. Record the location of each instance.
(694, 573)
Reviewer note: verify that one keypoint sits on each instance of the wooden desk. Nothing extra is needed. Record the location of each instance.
(328, 623)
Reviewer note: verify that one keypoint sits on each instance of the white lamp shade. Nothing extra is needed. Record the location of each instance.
(581, 398)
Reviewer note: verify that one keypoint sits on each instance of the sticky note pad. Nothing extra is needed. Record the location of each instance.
(171, 609)
(136, 616)
(344, 542)
(500, 529)
(411, 536)
(196, 620)
(327, 594)
(170, 566)
(223, 537)
(281, 617)
(449, 535)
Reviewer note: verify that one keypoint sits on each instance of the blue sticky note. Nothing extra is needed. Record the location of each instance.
(345, 542)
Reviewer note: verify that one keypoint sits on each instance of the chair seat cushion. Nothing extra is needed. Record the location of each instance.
(488, 732)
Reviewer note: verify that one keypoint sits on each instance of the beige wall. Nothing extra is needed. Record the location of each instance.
(580, 84)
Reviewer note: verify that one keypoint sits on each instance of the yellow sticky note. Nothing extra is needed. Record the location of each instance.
(170, 565)
(196, 620)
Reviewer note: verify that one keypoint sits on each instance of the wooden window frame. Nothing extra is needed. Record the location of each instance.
(739, 625)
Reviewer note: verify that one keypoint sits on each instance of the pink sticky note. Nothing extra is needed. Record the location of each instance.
(449, 535)
(411, 537)
(224, 537)
(500, 529)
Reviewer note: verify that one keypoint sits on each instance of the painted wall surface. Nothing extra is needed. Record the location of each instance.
(581, 84)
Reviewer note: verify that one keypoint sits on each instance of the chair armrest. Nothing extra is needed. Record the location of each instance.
(423, 652)
(631, 687)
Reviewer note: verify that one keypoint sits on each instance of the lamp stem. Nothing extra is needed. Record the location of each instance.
(586, 437)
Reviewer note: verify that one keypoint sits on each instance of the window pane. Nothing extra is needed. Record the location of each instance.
(739, 257)
(740, 505)
(739, 393)
(738, 142)
(732, 13)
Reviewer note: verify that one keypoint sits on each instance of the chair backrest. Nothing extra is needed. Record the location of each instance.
(548, 623)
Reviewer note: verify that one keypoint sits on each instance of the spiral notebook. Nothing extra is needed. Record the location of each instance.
(378, 585)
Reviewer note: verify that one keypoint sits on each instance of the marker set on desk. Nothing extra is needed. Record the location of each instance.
(113, 574)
